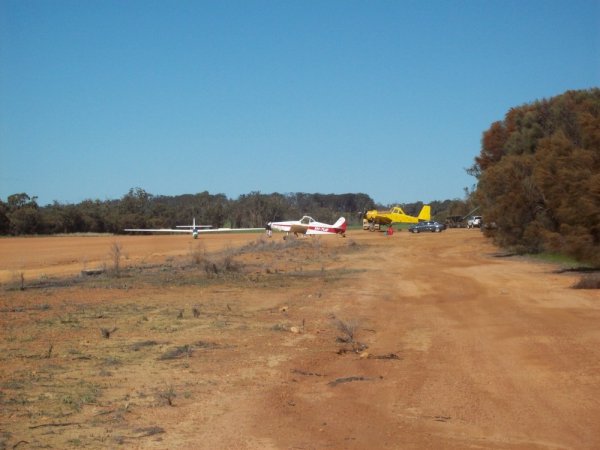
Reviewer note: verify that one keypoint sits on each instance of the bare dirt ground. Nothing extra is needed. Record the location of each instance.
(240, 342)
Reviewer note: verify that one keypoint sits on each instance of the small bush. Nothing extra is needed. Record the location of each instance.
(197, 255)
(168, 395)
(149, 431)
(590, 281)
(214, 266)
(116, 253)
(106, 333)
(139, 345)
(279, 327)
(349, 330)
(177, 352)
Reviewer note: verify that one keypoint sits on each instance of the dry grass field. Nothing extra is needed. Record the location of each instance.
(241, 342)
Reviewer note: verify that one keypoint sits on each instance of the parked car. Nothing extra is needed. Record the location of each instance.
(427, 226)
(474, 222)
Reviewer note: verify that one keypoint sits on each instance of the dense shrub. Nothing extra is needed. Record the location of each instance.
(539, 176)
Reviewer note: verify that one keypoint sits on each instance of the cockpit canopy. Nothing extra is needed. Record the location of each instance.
(306, 220)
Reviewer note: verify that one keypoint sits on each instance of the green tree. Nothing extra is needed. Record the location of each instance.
(4, 219)
(23, 214)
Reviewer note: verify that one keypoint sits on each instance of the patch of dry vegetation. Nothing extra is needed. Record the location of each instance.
(588, 281)
(87, 357)
(349, 330)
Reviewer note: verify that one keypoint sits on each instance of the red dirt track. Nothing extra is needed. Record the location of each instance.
(462, 349)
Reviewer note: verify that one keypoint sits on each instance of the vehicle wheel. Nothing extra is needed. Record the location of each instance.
(416, 231)
(437, 230)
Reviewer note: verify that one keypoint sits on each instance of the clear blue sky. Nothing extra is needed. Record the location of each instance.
(389, 98)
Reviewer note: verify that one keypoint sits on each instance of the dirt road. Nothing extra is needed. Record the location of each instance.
(408, 341)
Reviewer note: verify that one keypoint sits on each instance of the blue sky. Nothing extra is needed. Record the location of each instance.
(388, 98)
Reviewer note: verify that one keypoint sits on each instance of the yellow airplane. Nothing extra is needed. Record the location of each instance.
(372, 220)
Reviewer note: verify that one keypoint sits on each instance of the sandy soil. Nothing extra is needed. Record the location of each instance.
(37, 257)
(408, 341)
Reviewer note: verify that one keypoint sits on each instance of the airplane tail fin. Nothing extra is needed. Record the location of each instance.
(341, 223)
(425, 213)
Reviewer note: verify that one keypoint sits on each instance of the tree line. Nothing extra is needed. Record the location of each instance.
(21, 214)
(539, 176)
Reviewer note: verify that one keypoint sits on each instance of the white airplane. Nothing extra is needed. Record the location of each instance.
(194, 229)
(308, 225)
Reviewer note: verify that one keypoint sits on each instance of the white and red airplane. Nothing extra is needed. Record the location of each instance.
(194, 229)
(308, 225)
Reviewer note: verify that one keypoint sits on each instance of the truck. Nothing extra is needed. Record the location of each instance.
(474, 222)
(455, 222)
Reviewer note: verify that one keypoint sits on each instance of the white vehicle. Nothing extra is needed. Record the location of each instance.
(474, 222)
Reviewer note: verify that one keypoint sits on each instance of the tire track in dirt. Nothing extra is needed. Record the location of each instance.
(482, 362)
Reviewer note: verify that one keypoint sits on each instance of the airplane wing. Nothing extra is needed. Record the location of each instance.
(173, 230)
(227, 230)
(193, 226)
(283, 226)
(158, 230)
(193, 229)
(280, 227)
